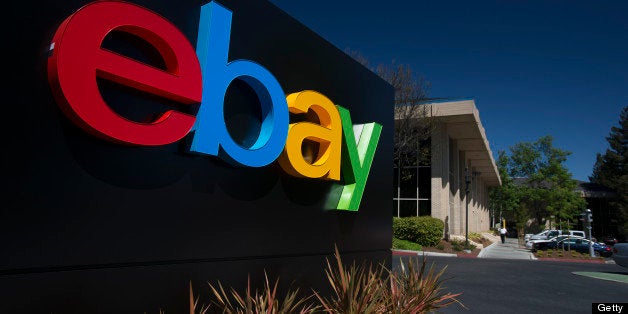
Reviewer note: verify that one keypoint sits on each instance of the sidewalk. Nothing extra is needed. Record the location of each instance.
(508, 250)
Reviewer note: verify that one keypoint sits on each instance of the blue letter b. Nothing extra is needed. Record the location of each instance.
(210, 129)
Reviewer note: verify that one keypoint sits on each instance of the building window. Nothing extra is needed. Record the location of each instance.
(413, 183)
(413, 190)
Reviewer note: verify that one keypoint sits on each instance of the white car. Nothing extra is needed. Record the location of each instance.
(620, 254)
(548, 234)
(541, 235)
(530, 244)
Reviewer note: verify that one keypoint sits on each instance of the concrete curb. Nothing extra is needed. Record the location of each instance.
(533, 257)
(421, 253)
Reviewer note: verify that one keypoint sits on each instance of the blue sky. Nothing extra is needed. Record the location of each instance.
(534, 68)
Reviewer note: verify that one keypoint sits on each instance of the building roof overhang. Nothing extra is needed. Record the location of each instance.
(462, 120)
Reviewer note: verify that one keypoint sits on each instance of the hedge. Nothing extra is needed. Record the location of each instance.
(424, 230)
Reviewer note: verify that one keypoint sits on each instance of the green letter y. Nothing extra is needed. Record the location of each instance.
(357, 157)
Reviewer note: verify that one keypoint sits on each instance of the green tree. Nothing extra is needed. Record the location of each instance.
(504, 200)
(536, 185)
(610, 169)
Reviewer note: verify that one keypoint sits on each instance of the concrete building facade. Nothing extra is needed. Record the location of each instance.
(462, 170)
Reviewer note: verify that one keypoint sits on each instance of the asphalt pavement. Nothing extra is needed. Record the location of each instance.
(507, 278)
(506, 285)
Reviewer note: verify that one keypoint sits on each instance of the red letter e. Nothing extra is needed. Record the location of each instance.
(77, 60)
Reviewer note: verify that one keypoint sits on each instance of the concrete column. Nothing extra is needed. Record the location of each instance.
(462, 163)
(439, 170)
(485, 216)
(483, 206)
(459, 197)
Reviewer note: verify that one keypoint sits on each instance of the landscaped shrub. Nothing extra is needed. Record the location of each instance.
(416, 289)
(461, 245)
(476, 237)
(424, 230)
(360, 289)
(355, 289)
(265, 301)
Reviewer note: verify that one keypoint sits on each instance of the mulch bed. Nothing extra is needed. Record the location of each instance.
(564, 259)
(447, 247)
(555, 255)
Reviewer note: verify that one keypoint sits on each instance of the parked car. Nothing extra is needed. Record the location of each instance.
(540, 244)
(609, 240)
(530, 244)
(539, 236)
(581, 245)
(620, 254)
(548, 234)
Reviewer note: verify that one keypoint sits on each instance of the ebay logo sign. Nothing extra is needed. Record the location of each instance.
(202, 76)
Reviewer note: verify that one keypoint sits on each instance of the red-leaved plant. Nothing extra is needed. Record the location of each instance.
(417, 291)
(355, 290)
(361, 289)
(267, 301)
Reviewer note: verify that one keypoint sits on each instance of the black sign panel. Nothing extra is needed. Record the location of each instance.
(90, 226)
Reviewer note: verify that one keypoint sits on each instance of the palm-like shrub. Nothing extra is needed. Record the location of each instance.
(358, 289)
(267, 301)
(417, 291)
(354, 290)
(361, 289)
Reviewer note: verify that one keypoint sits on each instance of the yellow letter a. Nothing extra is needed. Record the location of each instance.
(313, 147)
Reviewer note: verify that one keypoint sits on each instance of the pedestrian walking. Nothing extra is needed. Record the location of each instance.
(502, 234)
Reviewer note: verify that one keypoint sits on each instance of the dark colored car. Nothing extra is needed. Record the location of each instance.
(620, 254)
(580, 245)
(609, 240)
(548, 244)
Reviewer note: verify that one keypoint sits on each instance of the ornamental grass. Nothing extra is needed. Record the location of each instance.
(355, 289)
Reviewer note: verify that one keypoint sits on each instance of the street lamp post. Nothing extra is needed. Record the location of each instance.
(588, 218)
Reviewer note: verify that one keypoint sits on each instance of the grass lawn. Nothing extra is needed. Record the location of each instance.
(406, 245)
